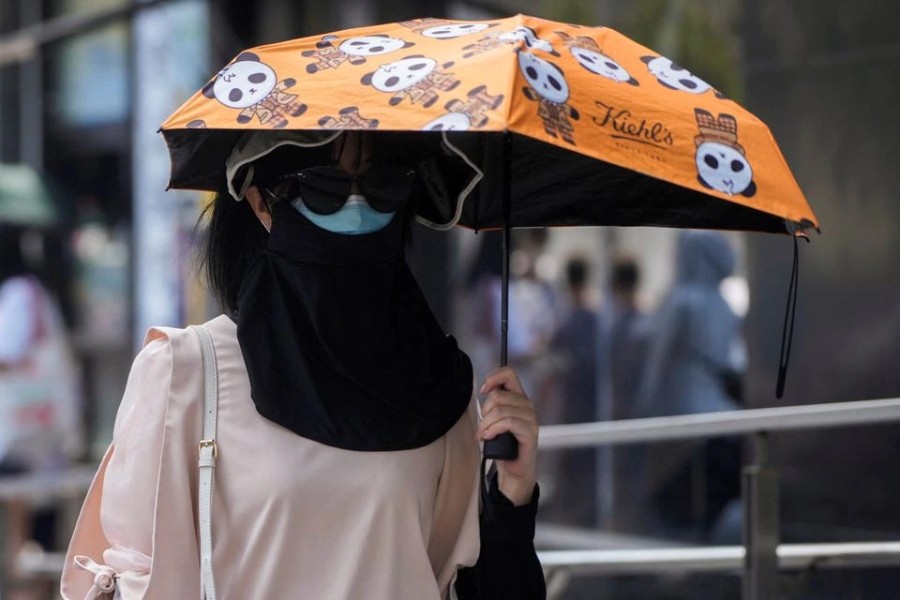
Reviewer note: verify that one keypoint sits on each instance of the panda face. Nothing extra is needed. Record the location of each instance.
(600, 64)
(450, 122)
(402, 74)
(723, 168)
(244, 83)
(371, 45)
(674, 76)
(453, 30)
(544, 77)
(526, 35)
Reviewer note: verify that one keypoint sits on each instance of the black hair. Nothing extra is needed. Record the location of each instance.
(232, 239)
(577, 270)
(625, 274)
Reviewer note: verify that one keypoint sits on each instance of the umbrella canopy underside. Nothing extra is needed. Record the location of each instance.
(550, 187)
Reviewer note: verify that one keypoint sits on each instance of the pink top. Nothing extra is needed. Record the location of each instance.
(292, 518)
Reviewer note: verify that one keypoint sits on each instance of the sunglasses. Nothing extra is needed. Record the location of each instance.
(325, 190)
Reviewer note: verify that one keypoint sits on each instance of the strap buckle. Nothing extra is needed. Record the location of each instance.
(209, 444)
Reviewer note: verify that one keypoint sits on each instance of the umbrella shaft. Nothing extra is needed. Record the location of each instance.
(504, 446)
(507, 227)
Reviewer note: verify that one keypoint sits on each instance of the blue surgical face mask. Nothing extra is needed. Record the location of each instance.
(356, 217)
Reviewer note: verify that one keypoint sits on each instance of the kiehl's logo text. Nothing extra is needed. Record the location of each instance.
(630, 128)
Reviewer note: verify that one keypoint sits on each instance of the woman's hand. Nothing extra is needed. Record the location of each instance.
(507, 408)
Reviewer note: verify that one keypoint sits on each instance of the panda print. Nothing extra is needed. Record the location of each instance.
(527, 36)
(415, 77)
(721, 161)
(353, 50)
(373, 45)
(673, 76)
(548, 87)
(723, 168)
(243, 83)
(399, 75)
(450, 31)
(348, 118)
(518, 37)
(470, 113)
(544, 77)
(252, 87)
(600, 64)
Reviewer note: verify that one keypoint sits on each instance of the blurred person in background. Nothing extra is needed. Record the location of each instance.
(626, 346)
(628, 325)
(695, 362)
(40, 405)
(576, 347)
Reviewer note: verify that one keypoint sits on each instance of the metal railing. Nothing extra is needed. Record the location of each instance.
(720, 558)
(755, 420)
(73, 482)
(761, 556)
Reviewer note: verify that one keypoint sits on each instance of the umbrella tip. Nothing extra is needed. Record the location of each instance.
(807, 224)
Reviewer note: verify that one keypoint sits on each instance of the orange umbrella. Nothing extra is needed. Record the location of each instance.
(569, 125)
(605, 131)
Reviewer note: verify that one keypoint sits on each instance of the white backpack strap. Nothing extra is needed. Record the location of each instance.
(209, 452)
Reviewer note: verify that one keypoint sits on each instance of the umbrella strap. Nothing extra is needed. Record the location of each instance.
(787, 332)
(487, 474)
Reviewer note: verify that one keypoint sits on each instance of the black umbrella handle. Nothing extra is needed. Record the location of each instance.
(504, 446)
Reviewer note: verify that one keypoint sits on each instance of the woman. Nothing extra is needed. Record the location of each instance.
(347, 433)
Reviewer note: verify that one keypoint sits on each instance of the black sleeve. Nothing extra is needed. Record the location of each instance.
(508, 566)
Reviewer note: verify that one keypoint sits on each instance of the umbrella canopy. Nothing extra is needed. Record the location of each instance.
(24, 199)
(602, 131)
